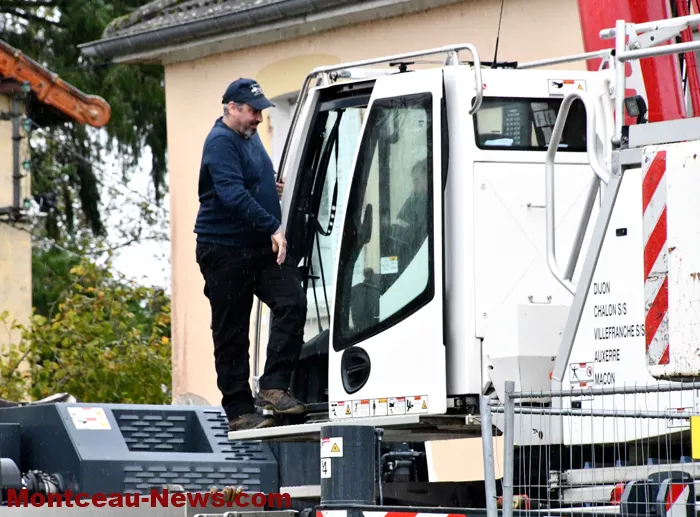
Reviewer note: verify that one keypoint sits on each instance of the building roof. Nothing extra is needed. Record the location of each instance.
(183, 30)
(168, 13)
(51, 90)
(162, 23)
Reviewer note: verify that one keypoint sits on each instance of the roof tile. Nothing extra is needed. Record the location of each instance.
(159, 14)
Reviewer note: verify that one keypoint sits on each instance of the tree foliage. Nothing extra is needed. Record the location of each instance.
(96, 336)
(93, 333)
(68, 158)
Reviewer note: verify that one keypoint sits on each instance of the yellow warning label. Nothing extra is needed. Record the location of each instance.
(580, 87)
(425, 406)
(695, 436)
(332, 448)
(347, 410)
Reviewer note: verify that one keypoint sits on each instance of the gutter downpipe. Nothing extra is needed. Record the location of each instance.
(16, 138)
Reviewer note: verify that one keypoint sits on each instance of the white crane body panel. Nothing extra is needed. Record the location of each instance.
(500, 298)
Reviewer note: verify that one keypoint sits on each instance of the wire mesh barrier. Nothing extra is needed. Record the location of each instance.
(630, 450)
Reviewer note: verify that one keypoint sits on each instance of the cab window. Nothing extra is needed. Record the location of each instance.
(524, 124)
(385, 264)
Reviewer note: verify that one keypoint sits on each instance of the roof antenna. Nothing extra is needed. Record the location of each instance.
(498, 35)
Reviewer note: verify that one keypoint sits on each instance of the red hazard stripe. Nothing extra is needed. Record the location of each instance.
(656, 242)
(652, 178)
(656, 312)
(675, 491)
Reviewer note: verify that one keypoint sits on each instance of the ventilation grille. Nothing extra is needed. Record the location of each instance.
(161, 431)
(142, 479)
(243, 451)
(182, 431)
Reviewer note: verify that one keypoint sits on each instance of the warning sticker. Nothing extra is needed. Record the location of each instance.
(389, 265)
(587, 395)
(93, 418)
(580, 373)
(679, 422)
(564, 86)
(417, 404)
(332, 447)
(325, 468)
(361, 408)
(397, 406)
(380, 407)
(340, 409)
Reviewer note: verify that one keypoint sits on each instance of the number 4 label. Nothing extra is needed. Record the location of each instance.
(325, 467)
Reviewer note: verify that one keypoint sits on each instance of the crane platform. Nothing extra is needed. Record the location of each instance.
(398, 428)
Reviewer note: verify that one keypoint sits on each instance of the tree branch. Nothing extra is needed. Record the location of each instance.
(8, 376)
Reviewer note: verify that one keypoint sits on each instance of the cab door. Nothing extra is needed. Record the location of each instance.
(387, 353)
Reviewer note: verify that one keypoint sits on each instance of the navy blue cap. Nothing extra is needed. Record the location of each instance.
(248, 92)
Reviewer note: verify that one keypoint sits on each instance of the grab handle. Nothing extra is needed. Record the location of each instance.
(601, 174)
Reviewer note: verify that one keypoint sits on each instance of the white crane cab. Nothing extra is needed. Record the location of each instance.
(442, 266)
(415, 204)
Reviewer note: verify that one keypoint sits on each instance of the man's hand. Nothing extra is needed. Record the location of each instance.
(279, 246)
(280, 188)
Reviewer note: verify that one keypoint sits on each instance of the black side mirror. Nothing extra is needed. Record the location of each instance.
(636, 107)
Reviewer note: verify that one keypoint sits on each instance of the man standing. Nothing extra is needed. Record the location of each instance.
(241, 251)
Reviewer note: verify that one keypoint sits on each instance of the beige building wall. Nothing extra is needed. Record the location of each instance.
(531, 29)
(15, 242)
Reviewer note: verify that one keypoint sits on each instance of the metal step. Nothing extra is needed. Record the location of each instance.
(599, 494)
(611, 475)
(594, 485)
(302, 491)
(399, 428)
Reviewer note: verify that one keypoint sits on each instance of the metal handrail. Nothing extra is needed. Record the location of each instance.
(600, 175)
(641, 28)
(452, 52)
(605, 53)
(452, 57)
(627, 52)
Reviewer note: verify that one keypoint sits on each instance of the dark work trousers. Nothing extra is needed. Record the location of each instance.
(232, 276)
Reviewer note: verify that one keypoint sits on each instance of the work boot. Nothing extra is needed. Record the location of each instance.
(250, 421)
(278, 401)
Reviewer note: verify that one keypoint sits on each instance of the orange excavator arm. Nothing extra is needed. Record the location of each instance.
(51, 89)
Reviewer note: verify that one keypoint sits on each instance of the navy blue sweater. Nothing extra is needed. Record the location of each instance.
(239, 205)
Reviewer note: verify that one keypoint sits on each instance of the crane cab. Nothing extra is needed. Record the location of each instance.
(415, 206)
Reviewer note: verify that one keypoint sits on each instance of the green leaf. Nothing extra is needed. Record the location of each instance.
(125, 355)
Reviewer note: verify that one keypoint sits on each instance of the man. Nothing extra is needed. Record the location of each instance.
(411, 229)
(241, 251)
